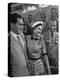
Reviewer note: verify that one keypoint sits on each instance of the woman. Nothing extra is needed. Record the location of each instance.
(37, 51)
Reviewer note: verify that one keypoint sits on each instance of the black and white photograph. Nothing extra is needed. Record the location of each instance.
(33, 39)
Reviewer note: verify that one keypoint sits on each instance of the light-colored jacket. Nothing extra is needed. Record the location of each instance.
(18, 57)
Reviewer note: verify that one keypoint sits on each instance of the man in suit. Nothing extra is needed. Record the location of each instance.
(17, 56)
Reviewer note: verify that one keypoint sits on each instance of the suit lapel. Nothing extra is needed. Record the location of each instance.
(24, 49)
(20, 43)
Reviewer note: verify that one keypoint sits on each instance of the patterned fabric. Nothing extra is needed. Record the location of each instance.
(35, 49)
(52, 42)
(37, 67)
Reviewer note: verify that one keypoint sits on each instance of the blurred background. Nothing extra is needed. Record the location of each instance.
(36, 10)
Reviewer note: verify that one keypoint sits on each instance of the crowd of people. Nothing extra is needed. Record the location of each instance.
(33, 45)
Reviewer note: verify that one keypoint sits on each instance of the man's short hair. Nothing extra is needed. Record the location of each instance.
(53, 9)
(13, 17)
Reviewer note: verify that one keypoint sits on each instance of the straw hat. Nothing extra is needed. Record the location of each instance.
(36, 24)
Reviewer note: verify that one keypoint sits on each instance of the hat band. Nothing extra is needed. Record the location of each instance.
(37, 25)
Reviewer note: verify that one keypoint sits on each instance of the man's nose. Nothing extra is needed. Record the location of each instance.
(22, 27)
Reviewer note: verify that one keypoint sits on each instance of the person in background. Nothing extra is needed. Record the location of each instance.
(17, 57)
(45, 27)
(43, 16)
(52, 21)
(30, 19)
(52, 47)
(36, 51)
(27, 27)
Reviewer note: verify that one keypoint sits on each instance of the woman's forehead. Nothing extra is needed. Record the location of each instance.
(39, 27)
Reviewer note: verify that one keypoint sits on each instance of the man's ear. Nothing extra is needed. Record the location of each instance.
(12, 26)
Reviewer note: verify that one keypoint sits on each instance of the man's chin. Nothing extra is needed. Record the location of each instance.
(21, 31)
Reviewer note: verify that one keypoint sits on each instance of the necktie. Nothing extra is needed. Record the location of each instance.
(20, 41)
